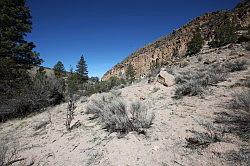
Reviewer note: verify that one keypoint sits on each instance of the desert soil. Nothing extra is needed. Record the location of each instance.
(43, 140)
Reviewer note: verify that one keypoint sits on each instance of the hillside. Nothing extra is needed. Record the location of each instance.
(169, 49)
(193, 130)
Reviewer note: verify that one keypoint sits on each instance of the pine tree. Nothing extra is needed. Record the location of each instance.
(16, 56)
(15, 21)
(130, 73)
(82, 70)
(16, 53)
(195, 45)
(59, 69)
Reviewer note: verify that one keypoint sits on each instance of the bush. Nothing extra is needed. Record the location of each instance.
(195, 45)
(191, 88)
(225, 34)
(103, 86)
(39, 93)
(192, 83)
(115, 117)
(202, 139)
(236, 65)
(241, 101)
(8, 155)
(141, 118)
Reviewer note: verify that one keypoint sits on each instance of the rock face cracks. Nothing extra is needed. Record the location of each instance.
(168, 50)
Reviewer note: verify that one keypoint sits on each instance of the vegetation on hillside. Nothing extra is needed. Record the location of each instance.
(17, 56)
(195, 45)
(193, 83)
(130, 73)
(224, 34)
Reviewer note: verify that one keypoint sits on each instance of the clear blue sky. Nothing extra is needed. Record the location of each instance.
(107, 31)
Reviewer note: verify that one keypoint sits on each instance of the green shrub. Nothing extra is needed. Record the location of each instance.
(103, 86)
(130, 73)
(195, 45)
(39, 93)
(225, 34)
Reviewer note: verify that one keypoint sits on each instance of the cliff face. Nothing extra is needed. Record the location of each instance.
(167, 50)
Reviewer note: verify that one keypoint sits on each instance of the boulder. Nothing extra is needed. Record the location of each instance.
(165, 78)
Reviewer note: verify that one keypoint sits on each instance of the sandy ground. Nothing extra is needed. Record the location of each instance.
(43, 140)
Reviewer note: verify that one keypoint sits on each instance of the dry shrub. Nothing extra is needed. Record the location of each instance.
(236, 122)
(236, 65)
(115, 116)
(70, 114)
(8, 154)
(201, 139)
(241, 101)
(42, 93)
(140, 116)
(192, 83)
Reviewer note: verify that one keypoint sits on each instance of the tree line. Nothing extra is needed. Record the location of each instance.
(20, 92)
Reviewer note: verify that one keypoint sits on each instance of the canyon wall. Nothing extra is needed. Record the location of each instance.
(169, 49)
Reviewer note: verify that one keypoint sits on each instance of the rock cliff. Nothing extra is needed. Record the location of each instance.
(170, 49)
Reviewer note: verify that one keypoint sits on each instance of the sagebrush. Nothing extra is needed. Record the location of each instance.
(191, 83)
(241, 100)
(116, 116)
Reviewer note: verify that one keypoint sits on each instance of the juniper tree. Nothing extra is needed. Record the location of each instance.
(59, 69)
(130, 73)
(195, 45)
(82, 70)
(224, 34)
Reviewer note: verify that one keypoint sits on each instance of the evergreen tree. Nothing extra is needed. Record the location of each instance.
(130, 73)
(59, 69)
(82, 70)
(196, 44)
(16, 53)
(15, 23)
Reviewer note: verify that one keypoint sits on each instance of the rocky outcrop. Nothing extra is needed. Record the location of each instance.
(165, 78)
(169, 49)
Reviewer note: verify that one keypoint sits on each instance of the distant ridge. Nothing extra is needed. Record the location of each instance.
(162, 50)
